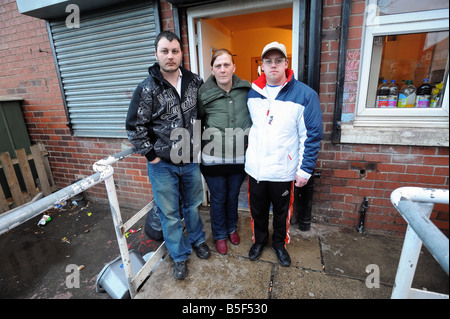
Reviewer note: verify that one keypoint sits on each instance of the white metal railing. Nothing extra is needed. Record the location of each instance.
(134, 280)
(415, 204)
(104, 172)
(15, 217)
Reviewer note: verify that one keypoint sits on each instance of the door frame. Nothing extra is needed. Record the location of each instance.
(235, 7)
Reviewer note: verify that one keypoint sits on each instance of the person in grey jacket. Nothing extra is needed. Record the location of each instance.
(160, 124)
(223, 110)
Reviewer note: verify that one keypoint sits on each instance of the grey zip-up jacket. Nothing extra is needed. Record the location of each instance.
(156, 110)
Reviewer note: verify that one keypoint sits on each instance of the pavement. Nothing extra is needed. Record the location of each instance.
(327, 263)
(36, 262)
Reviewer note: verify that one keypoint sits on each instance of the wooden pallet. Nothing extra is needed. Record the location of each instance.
(35, 189)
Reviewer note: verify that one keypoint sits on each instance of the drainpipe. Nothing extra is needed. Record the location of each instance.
(310, 42)
(364, 206)
(314, 44)
(345, 20)
(302, 41)
(302, 207)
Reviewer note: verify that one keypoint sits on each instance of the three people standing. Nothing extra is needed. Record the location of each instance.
(279, 115)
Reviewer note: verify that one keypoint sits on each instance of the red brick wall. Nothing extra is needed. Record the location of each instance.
(348, 172)
(168, 24)
(28, 71)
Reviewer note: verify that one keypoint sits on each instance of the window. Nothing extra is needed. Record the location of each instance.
(404, 43)
(409, 70)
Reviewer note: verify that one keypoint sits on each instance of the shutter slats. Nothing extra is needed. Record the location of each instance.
(101, 63)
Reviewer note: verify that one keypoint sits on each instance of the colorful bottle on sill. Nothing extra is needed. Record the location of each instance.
(436, 95)
(382, 95)
(423, 95)
(393, 94)
(407, 95)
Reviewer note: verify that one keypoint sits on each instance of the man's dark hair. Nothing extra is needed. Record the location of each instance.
(169, 35)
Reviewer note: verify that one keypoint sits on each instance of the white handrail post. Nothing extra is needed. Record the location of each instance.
(409, 258)
(415, 204)
(120, 233)
(104, 166)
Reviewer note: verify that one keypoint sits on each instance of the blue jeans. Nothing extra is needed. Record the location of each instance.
(224, 197)
(175, 189)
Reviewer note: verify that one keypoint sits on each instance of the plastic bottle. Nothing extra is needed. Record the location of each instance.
(382, 95)
(393, 94)
(423, 94)
(407, 95)
(436, 95)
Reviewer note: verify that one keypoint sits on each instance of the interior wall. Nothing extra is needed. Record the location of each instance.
(245, 36)
(250, 43)
(213, 37)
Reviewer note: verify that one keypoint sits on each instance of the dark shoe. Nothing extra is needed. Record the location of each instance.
(221, 246)
(180, 270)
(282, 256)
(234, 238)
(304, 226)
(255, 251)
(202, 251)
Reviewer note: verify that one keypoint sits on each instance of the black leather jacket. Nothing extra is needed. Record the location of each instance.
(156, 110)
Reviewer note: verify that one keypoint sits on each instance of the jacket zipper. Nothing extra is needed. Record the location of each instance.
(267, 122)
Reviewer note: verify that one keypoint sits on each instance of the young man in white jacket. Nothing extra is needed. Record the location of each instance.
(284, 142)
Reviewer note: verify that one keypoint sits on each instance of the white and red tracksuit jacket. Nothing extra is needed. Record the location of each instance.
(285, 136)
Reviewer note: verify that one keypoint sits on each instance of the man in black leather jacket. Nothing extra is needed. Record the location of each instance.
(160, 124)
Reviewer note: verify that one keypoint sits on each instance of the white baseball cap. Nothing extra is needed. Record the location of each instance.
(274, 46)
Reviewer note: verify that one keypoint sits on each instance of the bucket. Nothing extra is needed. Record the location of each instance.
(112, 279)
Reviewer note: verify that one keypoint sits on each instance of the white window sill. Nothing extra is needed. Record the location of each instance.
(393, 134)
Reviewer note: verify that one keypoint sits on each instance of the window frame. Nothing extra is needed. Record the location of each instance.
(387, 123)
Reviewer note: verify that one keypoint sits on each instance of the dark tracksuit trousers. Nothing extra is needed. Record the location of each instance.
(261, 195)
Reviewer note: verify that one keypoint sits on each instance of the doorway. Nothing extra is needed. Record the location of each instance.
(244, 28)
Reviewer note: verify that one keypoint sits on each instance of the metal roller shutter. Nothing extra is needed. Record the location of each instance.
(101, 63)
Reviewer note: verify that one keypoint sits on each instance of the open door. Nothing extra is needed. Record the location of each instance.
(210, 39)
(244, 28)
(247, 26)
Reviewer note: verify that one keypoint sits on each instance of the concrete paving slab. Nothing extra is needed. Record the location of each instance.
(304, 250)
(327, 263)
(219, 277)
(232, 275)
(298, 283)
(348, 253)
